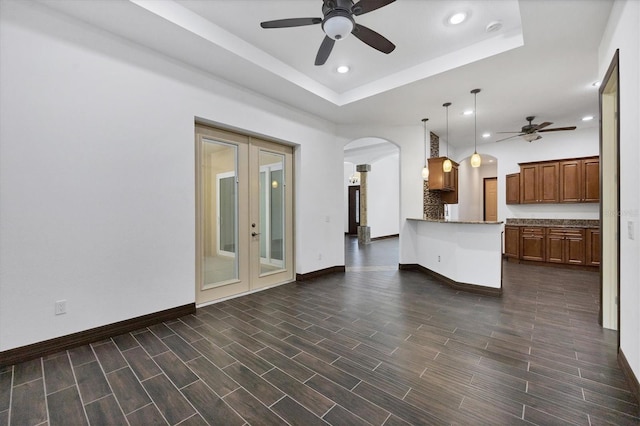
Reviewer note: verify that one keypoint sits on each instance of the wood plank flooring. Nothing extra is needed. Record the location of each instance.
(372, 346)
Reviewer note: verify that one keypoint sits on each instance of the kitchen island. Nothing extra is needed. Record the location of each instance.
(466, 255)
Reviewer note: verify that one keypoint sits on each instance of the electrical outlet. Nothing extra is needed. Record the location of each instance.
(630, 229)
(438, 258)
(60, 307)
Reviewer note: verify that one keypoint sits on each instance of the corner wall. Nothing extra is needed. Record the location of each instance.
(622, 32)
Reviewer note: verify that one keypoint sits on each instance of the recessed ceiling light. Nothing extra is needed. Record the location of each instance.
(343, 69)
(468, 112)
(486, 135)
(457, 18)
(587, 118)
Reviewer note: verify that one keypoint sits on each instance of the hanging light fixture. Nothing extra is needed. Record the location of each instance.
(476, 160)
(425, 169)
(446, 165)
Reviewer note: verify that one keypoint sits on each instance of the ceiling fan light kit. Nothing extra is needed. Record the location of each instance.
(338, 23)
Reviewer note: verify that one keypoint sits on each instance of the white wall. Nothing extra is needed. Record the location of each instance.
(623, 33)
(383, 197)
(471, 189)
(97, 175)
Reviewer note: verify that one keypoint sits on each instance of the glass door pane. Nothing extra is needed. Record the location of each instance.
(272, 212)
(220, 213)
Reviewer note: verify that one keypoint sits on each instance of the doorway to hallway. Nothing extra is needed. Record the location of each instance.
(379, 255)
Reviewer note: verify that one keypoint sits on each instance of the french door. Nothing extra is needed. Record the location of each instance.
(244, 219)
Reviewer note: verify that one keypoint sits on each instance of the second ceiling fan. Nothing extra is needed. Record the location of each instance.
(530, 131)
(337, 23)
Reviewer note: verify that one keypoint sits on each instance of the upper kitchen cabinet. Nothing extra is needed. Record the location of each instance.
(580, 180)
(513, 188)
(575, 180)
(439, 180)
(539, 182)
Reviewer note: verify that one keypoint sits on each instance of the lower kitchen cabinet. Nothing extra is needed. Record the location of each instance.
(512, 241)
(532, 243)
(592, 247)
(565, 245)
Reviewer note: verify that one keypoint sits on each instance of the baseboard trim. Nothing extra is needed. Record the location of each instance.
(320, 272)
(48, 347)
(630, 376)
(384, 237)
(470, 288)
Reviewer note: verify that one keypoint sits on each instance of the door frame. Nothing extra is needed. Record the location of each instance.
(249, 277)
(354, 209)
(607, 235)
(484, 196)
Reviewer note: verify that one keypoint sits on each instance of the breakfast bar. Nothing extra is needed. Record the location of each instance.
(466, 255)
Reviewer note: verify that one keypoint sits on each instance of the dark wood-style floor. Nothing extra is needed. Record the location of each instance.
(371, 346)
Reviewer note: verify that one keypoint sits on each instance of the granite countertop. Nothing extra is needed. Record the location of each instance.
(472, 222)
(561, 223)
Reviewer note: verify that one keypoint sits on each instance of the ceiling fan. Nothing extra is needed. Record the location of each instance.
(338, 23)
(530, 131)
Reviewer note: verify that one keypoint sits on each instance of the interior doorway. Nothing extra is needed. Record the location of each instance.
(610, 196)
(490, 199)
(244, 214)
(354, 209)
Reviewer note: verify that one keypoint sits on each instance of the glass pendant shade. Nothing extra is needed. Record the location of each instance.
(447, 166)
(425, 172)
(476, 160)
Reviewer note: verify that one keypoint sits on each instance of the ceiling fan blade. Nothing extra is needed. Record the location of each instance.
(292, 22)
(542, 125)
(366, 6)
(555, 129)
(373, 39)
(519, 131)
(509, 137)
(325, 50)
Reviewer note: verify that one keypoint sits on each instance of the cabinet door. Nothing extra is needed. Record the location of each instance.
(571, 181)
(555, 246)
(532, 244)
(548, 182)
(591, 180)
(574, 247)
(528, 184)
(451, 197)
(512, 241)
(513, 188)
(592, 247)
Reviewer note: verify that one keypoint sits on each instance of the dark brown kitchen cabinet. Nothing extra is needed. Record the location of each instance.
(513, 188)
(532, 243)
(580, 180)
(512, 241)
(439, 180)
(451, 197)
(565, 245)
(539, 182)
(592, 249)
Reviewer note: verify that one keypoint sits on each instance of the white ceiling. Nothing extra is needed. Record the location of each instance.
(542, 62)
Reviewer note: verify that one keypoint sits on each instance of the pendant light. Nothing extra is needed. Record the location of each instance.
(425, 170)
(476, 160)
(446, 165)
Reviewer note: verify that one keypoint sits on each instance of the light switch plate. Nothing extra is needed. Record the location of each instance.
(631, 229)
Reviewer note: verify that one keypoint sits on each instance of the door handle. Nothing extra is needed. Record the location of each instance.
(255, 234)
